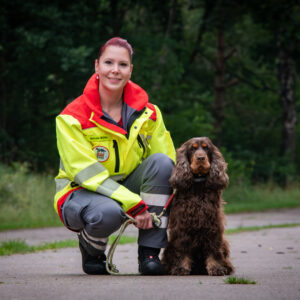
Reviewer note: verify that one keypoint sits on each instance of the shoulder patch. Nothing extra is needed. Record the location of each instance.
(152, 107)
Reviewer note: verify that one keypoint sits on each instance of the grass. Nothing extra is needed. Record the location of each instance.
(238, 280)
(14, 247)
(256, 228)
(245, 198)
(26, 199)
(21, 247)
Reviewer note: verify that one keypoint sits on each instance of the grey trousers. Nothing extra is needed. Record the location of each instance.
(96, 216)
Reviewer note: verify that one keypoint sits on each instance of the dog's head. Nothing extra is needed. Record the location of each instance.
(199, 158)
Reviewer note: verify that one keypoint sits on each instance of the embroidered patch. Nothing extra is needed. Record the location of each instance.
(102, 153)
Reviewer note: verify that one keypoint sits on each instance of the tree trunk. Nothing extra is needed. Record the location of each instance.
(219, 101)
(286, 76)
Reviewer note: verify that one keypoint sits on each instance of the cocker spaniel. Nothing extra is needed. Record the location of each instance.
(196, 226)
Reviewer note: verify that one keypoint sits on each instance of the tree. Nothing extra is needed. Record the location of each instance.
(282, 20)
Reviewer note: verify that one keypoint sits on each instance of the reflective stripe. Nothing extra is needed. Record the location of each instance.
(94, 245)
(155, 199)
(61, 183)
(89, 238)
(146, 139)
(117, 177)
(61, 165)
(145, 142)
(88, 173)
(107, 187)
(164, 222)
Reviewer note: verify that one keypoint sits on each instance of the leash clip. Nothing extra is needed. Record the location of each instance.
(156, 221)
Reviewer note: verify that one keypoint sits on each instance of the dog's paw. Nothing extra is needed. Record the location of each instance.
(229, 269)
(180, 271)
(217, 270)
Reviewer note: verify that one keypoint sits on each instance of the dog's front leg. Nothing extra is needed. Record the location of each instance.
(214, 267)
(183, 266)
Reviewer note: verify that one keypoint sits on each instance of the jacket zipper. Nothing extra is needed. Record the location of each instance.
(116, 147)
(141, 144)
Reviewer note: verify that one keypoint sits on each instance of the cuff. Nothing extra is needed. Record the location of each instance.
(138, 209)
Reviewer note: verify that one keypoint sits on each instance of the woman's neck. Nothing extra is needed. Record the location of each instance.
(111, 102)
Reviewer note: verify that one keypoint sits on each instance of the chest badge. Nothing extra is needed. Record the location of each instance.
(102, 153)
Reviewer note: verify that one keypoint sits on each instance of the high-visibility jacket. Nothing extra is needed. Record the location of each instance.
(96, 154)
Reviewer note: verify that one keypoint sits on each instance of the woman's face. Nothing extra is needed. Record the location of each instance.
(114, 68)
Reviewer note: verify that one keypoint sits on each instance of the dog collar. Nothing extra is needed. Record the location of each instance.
(199, 178)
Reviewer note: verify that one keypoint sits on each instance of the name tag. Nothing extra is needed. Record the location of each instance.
(96, 138)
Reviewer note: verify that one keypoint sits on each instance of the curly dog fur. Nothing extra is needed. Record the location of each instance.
(196, 240)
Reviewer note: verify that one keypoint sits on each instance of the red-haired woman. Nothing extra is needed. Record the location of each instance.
(116, 158)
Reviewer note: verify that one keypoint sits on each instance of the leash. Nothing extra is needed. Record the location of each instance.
(156, 221)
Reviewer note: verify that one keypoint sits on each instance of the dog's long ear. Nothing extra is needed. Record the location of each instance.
(182, 176)
(217, 177)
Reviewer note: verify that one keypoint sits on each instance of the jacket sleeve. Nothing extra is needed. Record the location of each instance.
(82, 167)
(161, 141)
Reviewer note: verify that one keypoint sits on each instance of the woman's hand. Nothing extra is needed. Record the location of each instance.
(144, 220)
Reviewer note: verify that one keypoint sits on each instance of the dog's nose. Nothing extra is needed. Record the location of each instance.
(200, 158)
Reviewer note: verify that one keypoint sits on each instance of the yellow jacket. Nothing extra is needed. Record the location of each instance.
(96, 154)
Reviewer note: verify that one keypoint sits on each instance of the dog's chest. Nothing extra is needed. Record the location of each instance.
(193, 212)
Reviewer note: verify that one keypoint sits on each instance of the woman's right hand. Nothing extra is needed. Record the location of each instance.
(144, 220)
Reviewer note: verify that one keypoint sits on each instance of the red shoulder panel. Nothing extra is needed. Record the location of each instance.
(152, 107)
(80, 111)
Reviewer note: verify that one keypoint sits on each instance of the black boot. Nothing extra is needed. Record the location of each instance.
(149, 262)
(92, 265)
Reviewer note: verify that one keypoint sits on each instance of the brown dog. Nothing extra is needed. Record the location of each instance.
(196, 241)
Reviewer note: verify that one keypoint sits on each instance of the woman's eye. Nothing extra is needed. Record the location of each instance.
(123, 64)
(108, 62)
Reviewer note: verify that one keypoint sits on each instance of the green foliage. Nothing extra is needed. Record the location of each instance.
(14, 247)
(239, 280)
(47, 53)
(256, 228)
(123, 240)
(21, 247)
(243, 197)
(26, 200)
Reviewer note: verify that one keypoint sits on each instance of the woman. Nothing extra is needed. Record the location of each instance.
(116, 157)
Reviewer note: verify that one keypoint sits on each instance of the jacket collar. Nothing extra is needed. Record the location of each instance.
(134, 96)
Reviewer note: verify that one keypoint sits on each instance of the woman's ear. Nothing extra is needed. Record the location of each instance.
(97, 66)
(182, 176)
(131, 69)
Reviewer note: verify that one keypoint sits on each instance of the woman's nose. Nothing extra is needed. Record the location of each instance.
(115, 68)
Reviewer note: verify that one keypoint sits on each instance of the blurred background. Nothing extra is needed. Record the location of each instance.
(226, 69)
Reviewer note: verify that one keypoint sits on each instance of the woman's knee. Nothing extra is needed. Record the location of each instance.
(102, 221)
(162, 165)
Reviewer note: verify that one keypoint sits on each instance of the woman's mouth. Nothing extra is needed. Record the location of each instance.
(114, 80)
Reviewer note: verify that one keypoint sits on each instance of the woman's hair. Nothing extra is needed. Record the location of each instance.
(119, 42)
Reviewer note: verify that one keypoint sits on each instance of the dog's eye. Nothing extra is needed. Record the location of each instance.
(195, 146)
(204, 145)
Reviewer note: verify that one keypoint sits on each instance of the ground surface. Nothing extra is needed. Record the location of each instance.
(271, 257)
